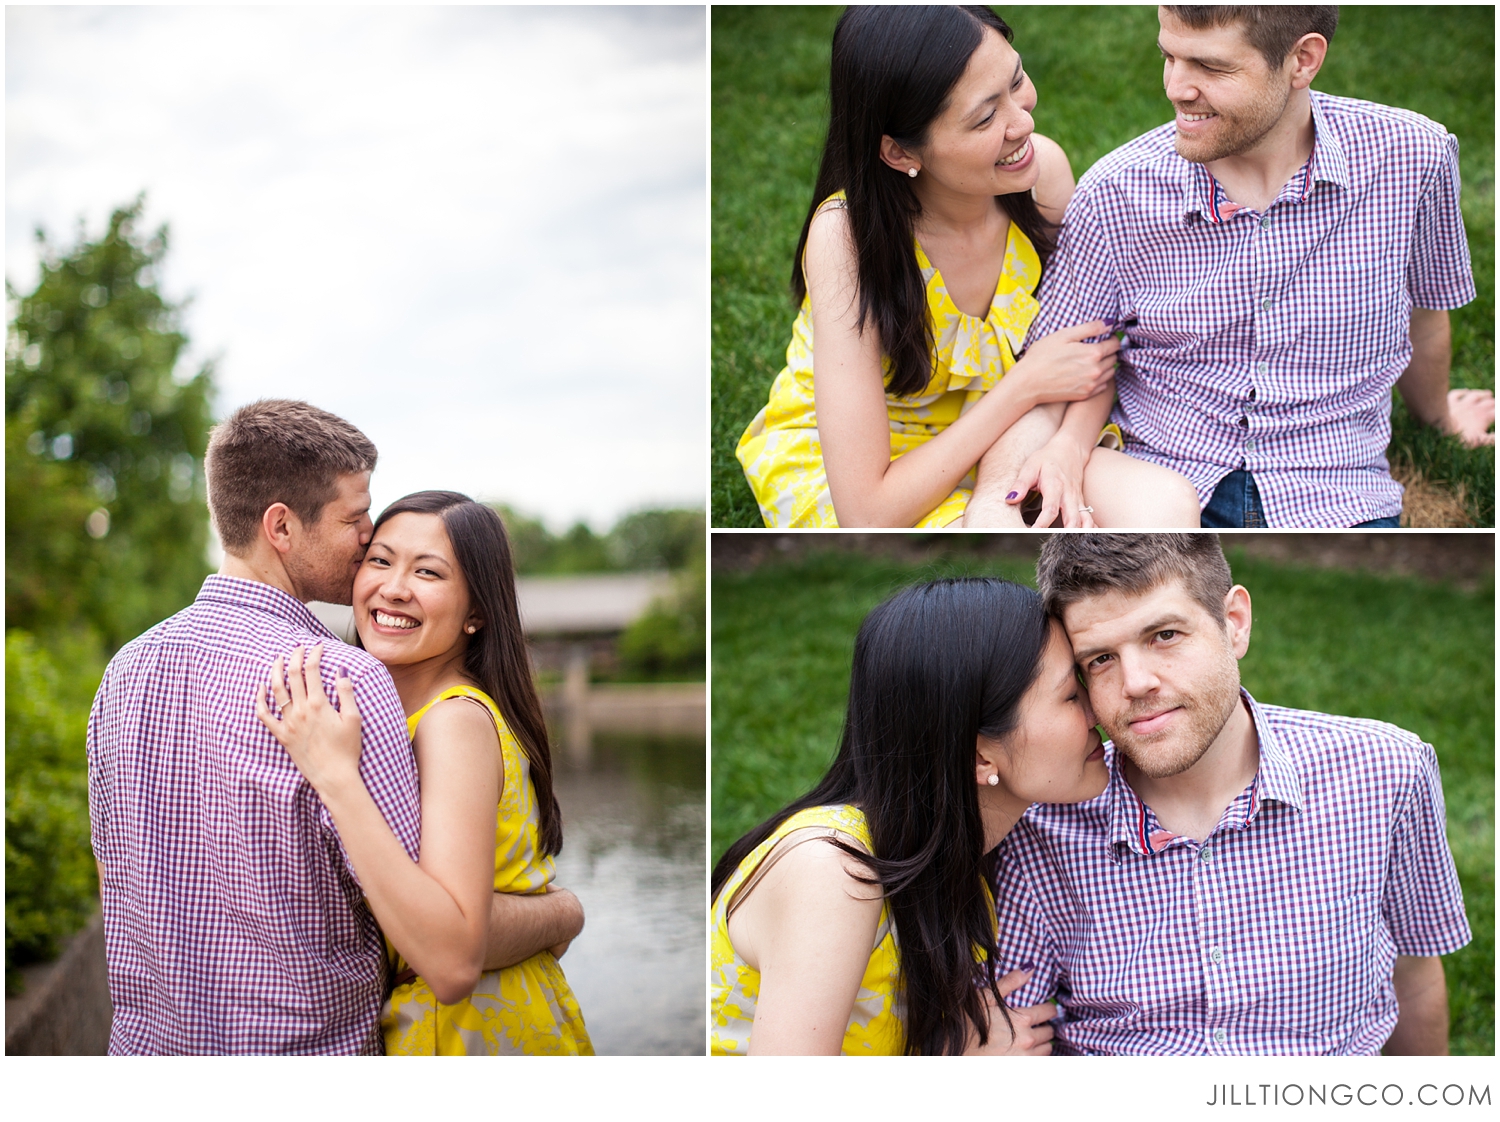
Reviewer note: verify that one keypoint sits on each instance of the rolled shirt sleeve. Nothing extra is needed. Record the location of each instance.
(1023, 940)
(1422, 902)
(1081, 282)
(98, 779)
(1438, 273)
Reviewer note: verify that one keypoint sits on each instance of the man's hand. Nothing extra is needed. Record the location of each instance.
(1471, 415)
(1422, 998)
(1466, 414)
(521, 926)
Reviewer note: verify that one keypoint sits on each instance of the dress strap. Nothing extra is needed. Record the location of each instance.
(788, 843)
(468, 693)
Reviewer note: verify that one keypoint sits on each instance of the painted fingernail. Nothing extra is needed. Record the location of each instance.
(1011, 496)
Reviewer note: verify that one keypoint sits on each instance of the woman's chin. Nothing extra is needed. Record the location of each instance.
(390, 650)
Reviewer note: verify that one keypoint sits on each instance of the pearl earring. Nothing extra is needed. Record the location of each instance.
(994, 781)
(471, 629)
(911, 172)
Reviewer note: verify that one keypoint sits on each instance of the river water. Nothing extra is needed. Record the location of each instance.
(633, 851)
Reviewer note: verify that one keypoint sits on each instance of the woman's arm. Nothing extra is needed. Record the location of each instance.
(435, 911)
(1056, 469)
(808, 927)
(867, 487)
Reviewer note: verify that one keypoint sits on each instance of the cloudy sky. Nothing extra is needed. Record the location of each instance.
(477, 233)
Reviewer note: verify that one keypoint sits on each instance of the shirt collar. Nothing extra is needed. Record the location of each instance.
(1327, 163)
(1276, 780)
(261, 597)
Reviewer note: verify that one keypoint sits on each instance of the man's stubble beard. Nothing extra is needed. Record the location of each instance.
(1242, 132)
(319, 576)
(1204, 716)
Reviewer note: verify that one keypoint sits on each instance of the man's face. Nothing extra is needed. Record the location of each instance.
(1227, 99)
(1162, 673)
(326, 554)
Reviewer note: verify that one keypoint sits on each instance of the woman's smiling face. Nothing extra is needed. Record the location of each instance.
(411, 602)
(981, 142)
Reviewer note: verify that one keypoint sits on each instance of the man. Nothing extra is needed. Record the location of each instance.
(1253, 880)
(1277, 259)
(234, 921)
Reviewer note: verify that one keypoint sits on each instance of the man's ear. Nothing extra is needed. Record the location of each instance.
(278, 525)
(1307, 55)
(1237, 619)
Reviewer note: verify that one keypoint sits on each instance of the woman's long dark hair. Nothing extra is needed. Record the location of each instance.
(893, 71)
(935, 666)
(496, 657)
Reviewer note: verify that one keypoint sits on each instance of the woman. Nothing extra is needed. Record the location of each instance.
(931, 223)
(964, 709)
(435, 601)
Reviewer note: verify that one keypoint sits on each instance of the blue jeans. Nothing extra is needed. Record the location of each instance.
(1236, 505)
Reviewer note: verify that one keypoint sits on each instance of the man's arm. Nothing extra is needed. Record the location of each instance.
(1466, 414)
(1422, 995)
(521, 926)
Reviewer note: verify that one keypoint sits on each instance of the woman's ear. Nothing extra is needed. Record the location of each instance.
(898, 157)
(987, 762)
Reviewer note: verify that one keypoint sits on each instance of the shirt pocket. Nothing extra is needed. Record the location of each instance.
(1324, 951)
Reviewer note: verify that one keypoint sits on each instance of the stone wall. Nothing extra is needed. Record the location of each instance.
(65, 1010)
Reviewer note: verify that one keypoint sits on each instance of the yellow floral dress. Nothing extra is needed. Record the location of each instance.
(780, 451)
(875, 1027)
(526, 1009)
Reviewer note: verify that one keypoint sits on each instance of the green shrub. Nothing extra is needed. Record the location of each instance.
(50, 883)
(668, 643)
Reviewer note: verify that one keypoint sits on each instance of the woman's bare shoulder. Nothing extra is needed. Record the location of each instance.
(829, 254)
(1054, 185)
(458, 720)
(816, 866)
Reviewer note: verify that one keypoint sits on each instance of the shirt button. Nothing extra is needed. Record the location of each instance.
(1265, 305)
(1263, 369)
(1216, 955)
(1265, 223)
(1205, 855)
(1250, 444)
(1249, 407)
(1220, 1036)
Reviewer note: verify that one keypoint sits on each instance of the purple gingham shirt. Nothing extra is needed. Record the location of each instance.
(1269, 342)
(1275, 936)
(233, 920)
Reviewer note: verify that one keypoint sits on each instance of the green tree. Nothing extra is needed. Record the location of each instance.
(105, 518)
(669, 642)
(50, 883)
(656, 539)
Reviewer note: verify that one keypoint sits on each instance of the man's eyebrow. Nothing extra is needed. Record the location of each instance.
(1162, 623)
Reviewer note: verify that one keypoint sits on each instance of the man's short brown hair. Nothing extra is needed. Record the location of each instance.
(278, 451)
(1271, 30)
(1074, 566)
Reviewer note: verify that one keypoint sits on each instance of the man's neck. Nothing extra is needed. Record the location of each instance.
(260, 569)
(1253, 178)
(1193, 801)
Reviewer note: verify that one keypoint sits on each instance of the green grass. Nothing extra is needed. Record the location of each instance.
(1417, 654)
(1099, 79)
